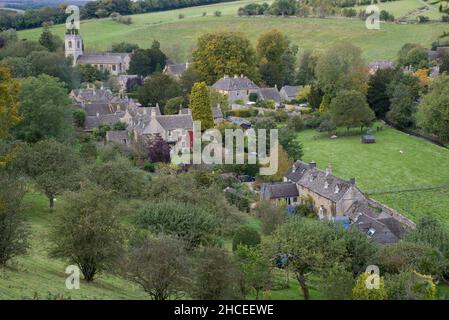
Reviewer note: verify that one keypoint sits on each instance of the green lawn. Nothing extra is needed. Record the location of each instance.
(178, 36)
(381, 166)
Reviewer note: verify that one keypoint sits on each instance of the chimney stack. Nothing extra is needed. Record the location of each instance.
(328, 170)
(352, 181)
(312, 164)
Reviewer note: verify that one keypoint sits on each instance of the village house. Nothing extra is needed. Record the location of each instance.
(271, 94)
(335, 199)
(114, 63)
(289, 93)
(176, 69)
(236, 88)
(376, 65)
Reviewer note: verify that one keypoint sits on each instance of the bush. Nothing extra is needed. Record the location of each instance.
(423, 19)
(217, 13)
(148, 166)
(191, 223)
(295, 123)
(181, 16)
(253, 96)
(79, 117)
(313, 121)
(245, 235)
(204, 14)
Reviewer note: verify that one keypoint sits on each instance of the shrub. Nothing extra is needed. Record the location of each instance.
(79, 117)
(217, 13)
(181, 16)
(245, 235)
(194, 224)
(295, 123)
(148, 166)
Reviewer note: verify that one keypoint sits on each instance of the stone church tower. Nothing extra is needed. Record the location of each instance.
(73, 44)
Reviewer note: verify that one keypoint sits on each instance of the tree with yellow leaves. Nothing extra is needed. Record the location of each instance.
(424, 79)
(9, 108)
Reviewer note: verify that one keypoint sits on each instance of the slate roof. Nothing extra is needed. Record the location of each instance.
(106, 119)
(234, 83)
(92, 109)
(93, 95)
(270, 94)
(291, 91)
(101, 58)
(117, 136)
(381, 65)
(279, 190)
(171, 122)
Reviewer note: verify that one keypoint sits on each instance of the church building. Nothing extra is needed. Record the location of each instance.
(115, 63)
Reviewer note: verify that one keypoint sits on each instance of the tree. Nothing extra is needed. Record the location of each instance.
(91, 74)
(215, 276)
(433, 112)
(147, 61)
(201, 106)
(362, 292)
(49, 41)
(274, 53)
(432, 232)
(341, 67)
(444, 66)
(79, 117)
(53, 166)
(124, 47)
(118, 177)
(173, 105)
(361, 251)
(158, 89)
(413, 55)
(307, 245)
(9, 102)
(224, 53)
(377, 96)
(306, 70)
(284, 7)
(191, 223)
(44, 106)
(290, 143)
(188, 79)
(158, 150)
(13, 229)
(410, 285)
(159, 266)
(349, 109)
(245, 235)
(403, 107)
(87, 231)
(337, 282)
(9, 108)
(255, 268)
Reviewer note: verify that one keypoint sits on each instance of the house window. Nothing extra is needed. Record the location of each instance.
(70, 44)
(295, 199)
(114, 67)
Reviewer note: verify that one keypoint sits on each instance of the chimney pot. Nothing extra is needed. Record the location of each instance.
(312, 164)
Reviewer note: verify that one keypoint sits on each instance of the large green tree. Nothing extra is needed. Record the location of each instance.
(50, 41)
(159, 88)
(53, 166)
(44, 107)
(402, 111)
(303, 246)
(377, 96)
(276, 58)
(87, 230)
(350, 109)
(201, 106)
(224, 53)
(306, 71)
(433, 112)
(147, 61)
(341, 67)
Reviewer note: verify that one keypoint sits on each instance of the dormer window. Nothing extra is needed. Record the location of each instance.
(326, 184)
(371, 232)
(337, 189)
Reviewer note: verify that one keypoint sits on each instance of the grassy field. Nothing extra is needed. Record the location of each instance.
(382, 167)
(178, 36)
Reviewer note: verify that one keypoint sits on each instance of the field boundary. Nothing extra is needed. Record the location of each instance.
(407, 189)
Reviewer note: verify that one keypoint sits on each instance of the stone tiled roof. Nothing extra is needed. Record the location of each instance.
(93, 95)
(117, 136)
(291, 91)
(270, 94)
(95, 121)
(320, 182)
(279, 190)
(92, 109)
(381, 65)
(177, 69)
(234, 83)
(101, 58)
(171, 122)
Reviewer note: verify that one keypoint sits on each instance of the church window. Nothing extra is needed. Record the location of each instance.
(70, 44)
(79, 45)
